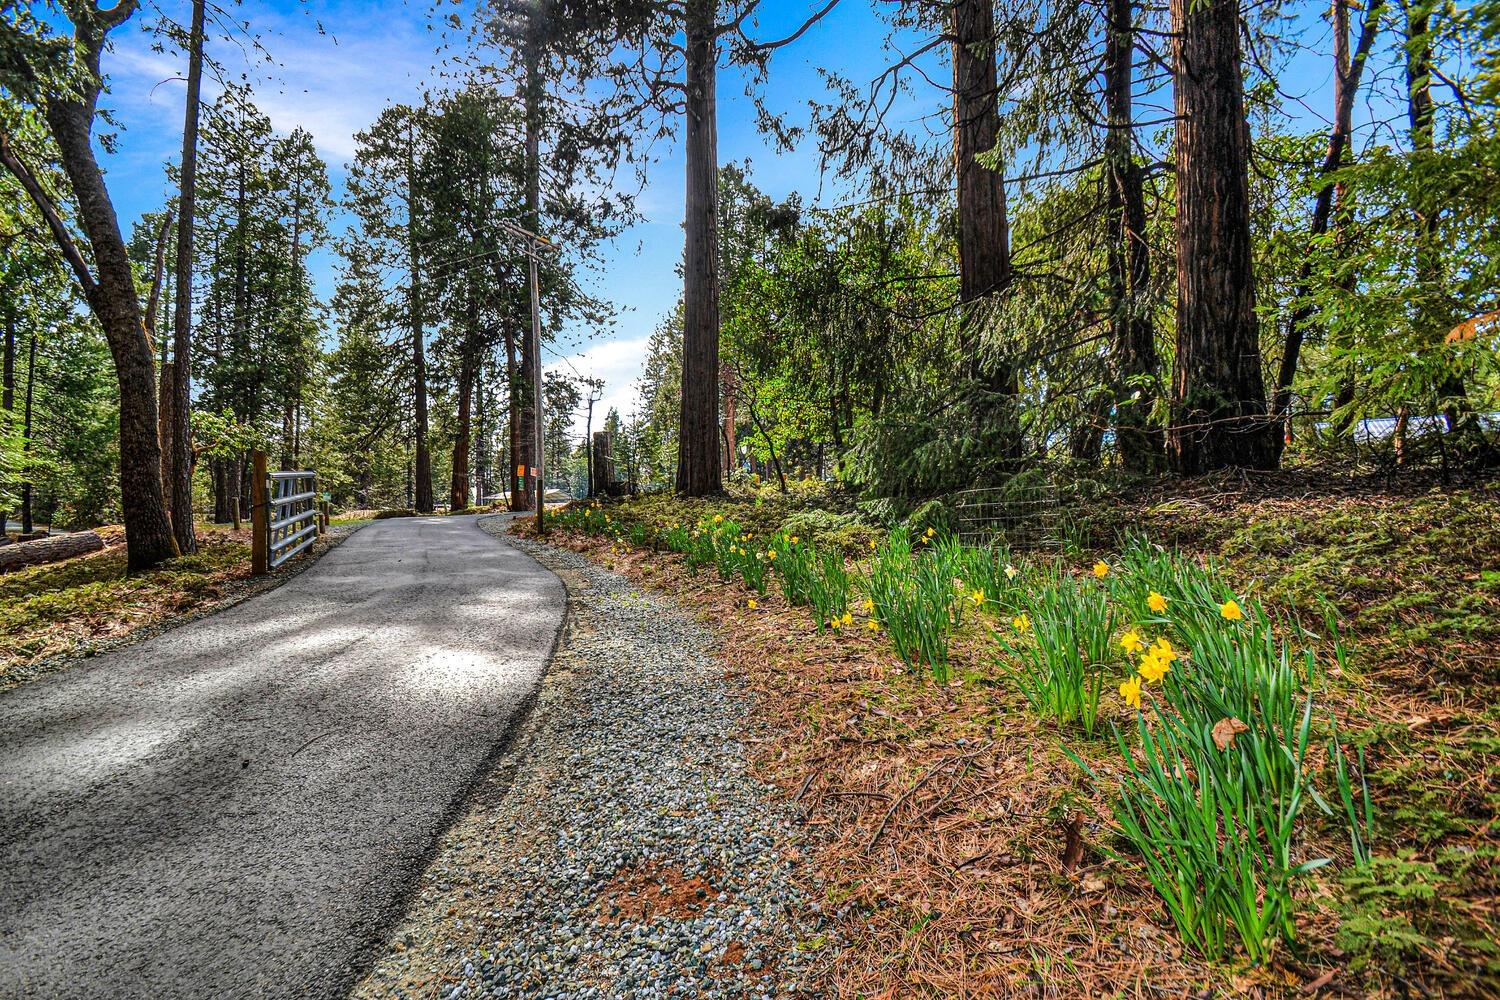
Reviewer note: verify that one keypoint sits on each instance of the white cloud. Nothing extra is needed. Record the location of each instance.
(618, 363)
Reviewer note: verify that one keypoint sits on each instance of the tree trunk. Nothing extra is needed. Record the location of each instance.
(8, 386)
(984, 265)
(165, 425)
(112, 299)
(27, 527)
(181, 490)
(698, 430)
(423, 473)
(458, 493)
(223, 514)
(1129, 257)
(1219, 414)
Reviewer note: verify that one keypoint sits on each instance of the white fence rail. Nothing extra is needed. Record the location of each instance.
(293, 525)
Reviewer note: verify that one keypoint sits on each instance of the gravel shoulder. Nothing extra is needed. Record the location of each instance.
(621, 848)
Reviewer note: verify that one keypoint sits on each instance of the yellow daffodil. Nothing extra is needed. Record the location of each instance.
(1154, 667)
(925, 539)
(848, 619)
(751, 604)
(872, 625)
(771, 554)
(1131, 691)
(1021, 623)
(1131, 642)
(1156, 602)
(872, 545)
(1162, 649)
(795, 539)
(978, 598)
(929, 533)
(869, 606)
(1011, 572)
(718, 519)
(836, 624)
(1101, 568)
(1230, 609)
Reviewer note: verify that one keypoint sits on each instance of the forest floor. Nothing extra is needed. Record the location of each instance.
(55, 615)
(947, 821)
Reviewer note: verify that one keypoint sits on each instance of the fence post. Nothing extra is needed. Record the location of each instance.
(322, 517)
(260, 542)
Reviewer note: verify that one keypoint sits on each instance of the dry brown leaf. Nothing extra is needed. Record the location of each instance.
(1225, 730)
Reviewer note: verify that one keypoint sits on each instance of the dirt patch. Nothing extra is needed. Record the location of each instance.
(655, 890)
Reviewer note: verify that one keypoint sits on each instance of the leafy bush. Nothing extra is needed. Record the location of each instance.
(847, 532)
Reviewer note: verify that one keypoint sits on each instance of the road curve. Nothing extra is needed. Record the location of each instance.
(236, 807)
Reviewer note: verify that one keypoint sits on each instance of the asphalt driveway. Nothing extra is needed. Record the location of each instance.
(235, 808)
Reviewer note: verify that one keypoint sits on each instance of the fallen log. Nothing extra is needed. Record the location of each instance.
(46, 550)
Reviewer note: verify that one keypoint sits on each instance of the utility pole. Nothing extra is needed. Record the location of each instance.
(534, 247)
(588, 434)
(536, 387)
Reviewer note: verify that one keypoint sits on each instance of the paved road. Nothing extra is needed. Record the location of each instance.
(236, 807)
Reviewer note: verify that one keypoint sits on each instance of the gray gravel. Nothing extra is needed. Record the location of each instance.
(631, 775)
(239, 807)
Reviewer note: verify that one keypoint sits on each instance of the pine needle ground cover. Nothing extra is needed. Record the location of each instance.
(1278, 776)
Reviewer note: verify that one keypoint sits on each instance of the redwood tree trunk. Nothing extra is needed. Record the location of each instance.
(180, 407)
(1129, 257)
(698, 430)
(8, 382)
(1219, 414)
(984, 266)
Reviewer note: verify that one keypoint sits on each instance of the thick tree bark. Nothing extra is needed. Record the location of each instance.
(698, 472)
(1131, 331)
(983, 228)
(165, 425)
(1346, 77)
(111, 296)
(1219, 416)
(458, 493)
(8, 384)
(27, 526)
(984, 266)
(181, 459)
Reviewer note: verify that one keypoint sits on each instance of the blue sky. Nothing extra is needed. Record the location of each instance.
(338, 62)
